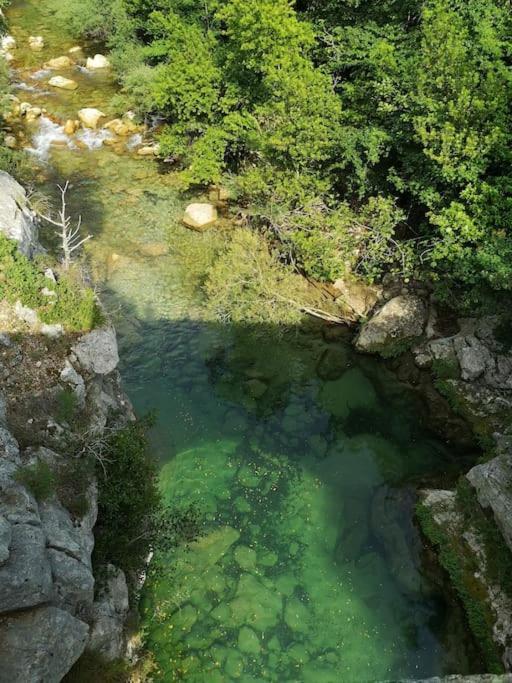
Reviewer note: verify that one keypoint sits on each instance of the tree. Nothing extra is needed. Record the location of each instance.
(68, 234)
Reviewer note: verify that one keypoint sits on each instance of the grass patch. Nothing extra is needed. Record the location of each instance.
(66, 405)
(461, 567)
(73, 306)
(39, 479)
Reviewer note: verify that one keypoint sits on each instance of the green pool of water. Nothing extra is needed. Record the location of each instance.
(300, 458)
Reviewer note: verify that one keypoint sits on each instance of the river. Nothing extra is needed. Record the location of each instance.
(300, 457)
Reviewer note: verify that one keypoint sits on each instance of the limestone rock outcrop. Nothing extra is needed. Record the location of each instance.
(399, 322)
(17, 220)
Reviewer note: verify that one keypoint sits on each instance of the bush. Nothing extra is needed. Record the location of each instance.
(73, 306)
(128, 501)
(39, 479)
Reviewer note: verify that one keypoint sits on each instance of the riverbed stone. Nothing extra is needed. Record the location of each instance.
(36, 43)
(200, 216)
(248, 641)
(57, 63)
(245, 557)
(90, 117)
(40, 645)
(296, 615)
(399, 322)
(63, 83)
(255, 605)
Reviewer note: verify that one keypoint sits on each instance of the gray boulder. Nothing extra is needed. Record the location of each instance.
(97, 351)
(493, 484)
(17, 220)
(26, 577)
(5, 539)
(108, 616)
(474, 357)
(40, 646)
(397, 323)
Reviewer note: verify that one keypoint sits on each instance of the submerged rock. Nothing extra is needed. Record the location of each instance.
(200, 216)
(399, 322)
(36, 43)
(248, 641)
(57, 63)
(63, 83)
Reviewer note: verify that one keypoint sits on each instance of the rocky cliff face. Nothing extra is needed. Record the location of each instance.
(472, 369)
(57, 391)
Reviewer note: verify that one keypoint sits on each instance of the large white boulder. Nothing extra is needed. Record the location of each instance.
(97, 62)
(398, 323)
(90, 117)
(17, 220)
(200, 216)
(63, 83)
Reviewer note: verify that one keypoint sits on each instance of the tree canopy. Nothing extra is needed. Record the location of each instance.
(371, 136)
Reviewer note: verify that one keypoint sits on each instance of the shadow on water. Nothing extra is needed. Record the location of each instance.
(304, 459)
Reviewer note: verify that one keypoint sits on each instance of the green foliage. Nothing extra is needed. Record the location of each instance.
(128, 501)
(246, 283)
(39, 478)
(445, 368)
(66, 402)
(462, 569)
(369, 136)
(20, 279)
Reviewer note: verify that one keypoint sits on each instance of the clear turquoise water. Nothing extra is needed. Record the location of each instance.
(300, 457)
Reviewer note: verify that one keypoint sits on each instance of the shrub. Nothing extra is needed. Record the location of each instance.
(73, 306)
(39, 478)
(128, 500)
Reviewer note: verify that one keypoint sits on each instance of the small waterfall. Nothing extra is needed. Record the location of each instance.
(47, 134)
(94, 139)
(41, 74)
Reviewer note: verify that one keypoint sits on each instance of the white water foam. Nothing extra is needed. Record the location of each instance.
(47, 133)
(94, 139)
(41, 74)
(134, 141)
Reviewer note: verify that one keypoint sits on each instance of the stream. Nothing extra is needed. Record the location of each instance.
(300, 457)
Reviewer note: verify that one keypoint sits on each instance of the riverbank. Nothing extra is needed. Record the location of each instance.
(246, 437)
